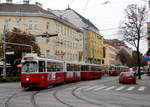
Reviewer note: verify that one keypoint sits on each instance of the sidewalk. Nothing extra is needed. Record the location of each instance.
(144, 81)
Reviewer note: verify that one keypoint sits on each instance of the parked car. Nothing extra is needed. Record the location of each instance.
(127, 77)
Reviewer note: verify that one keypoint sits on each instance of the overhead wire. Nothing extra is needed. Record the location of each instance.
(71, 2)
(115, 28)
(87, 1)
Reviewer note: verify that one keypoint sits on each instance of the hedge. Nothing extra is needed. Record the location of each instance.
(10, 79)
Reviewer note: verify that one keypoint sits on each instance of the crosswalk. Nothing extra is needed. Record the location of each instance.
(115, 88)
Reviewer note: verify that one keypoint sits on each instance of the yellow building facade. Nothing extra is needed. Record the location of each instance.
(95, 48)
(148, 34)
(111, 53)
(67, 45)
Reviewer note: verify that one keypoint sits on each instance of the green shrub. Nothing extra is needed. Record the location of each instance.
(10, 79)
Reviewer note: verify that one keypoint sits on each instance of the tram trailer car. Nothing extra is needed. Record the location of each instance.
(90, 71)
(42, 72)
(73, 70)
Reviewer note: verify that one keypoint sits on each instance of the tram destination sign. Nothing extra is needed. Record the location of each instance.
(10, 53)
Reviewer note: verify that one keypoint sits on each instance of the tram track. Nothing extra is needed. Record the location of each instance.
(6, 104)
(73, 92)
(61, 101)
(55, 93)
(18, 94)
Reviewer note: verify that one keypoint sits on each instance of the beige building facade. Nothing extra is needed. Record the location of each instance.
(111, 53)
(35, 20)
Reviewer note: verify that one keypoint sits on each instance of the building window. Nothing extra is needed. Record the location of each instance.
(103, 61)
(30, 24)
(7, 24)
(47, 26)
(18, 24)
(47, 52)
(36, 25)
(58, 28)
(67, 44)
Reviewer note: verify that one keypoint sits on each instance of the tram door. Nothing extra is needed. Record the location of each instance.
(41, 66)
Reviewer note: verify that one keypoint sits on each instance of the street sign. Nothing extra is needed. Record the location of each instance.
(10, 53)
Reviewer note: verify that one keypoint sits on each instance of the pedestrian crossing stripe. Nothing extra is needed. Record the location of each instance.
(116, 88)
(130, 88)
(141, 88)
(120, 88)
(109, 88)
(91, 88)
(99, 88)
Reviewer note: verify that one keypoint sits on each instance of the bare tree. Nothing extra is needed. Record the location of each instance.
(124, 57)
(132, 28)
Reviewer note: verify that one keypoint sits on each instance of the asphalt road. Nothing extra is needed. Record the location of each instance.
(105, 92)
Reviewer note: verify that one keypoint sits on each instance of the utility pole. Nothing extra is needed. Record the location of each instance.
(4, 52)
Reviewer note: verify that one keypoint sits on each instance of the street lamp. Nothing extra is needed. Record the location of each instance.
(46, 35)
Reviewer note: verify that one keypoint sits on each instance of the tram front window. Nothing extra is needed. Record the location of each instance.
(29, 67)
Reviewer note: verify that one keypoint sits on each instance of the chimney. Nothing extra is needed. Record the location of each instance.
(38, 4)
(25, 1)
(9, 1)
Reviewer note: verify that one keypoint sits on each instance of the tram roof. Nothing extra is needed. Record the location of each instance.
(36, 57)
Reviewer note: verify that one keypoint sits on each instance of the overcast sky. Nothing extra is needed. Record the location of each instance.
(104, 14)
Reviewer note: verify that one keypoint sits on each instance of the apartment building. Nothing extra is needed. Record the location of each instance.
(93, 48)
(32, 18)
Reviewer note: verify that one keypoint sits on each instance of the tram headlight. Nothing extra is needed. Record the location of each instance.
(27, 79)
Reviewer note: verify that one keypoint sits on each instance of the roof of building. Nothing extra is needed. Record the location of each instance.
(6, 7)
(31, 9)
(115, 42)
(84, 19)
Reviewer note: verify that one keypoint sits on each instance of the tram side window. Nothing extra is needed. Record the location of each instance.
(54, 67)
(82, 67)
(41, 66)
(112, 68)
(49, 66)
(70, 67)
(76, 67)
(58, 67)
(92, 68)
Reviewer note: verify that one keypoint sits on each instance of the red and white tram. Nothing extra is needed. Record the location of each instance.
(90, 71)
(116, 70)
(42, 72)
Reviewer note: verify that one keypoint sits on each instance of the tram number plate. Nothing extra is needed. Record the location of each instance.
(51, 75)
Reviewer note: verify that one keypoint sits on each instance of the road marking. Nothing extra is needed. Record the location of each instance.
(99, 88)
(120, 88)
(130, 88)
(91, 88)
(109, 88)
(141, 88)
